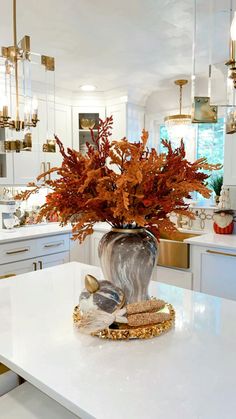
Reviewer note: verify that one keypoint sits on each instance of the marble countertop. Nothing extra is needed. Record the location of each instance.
(227, 241)
(34, 231)
(41, 230)
(188, 373)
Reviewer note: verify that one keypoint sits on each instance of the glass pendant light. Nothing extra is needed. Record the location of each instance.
(177, 125)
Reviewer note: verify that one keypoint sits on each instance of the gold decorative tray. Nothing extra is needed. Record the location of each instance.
(123, 331)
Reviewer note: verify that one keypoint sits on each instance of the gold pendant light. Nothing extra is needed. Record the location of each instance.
(178, 119)
(18, 106)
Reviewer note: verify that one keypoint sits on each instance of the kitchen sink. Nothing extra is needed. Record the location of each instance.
(173, 252)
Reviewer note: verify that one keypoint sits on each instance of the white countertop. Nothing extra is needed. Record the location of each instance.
(30, 232)
(188, 373)
(227, 241)
(41, 230)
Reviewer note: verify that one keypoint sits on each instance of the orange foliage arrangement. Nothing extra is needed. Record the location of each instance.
(121, 183)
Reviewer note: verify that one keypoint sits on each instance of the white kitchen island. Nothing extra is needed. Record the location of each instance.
(184, 374)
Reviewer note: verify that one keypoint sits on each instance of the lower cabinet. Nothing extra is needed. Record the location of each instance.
(22, 256)
(29, 265)
(94, 242)
(214, 271)
(176, 277)
(80, 252)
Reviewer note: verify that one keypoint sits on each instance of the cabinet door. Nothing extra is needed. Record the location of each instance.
(119, 113)
(135, 121)
(6, 168)
(63, 127)
(176, 277)
(229, 160)
(17, 268)
(94, 241)
(26, 167)
(80, 252)
(51, 160)
(218, 274)
(53, 260)
(84, 109)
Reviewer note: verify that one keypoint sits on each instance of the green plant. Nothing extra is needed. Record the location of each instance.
(216, 184)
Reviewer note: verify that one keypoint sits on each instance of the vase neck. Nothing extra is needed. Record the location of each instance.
(128, 230)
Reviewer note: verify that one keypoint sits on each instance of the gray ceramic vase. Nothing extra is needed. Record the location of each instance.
(128, 257)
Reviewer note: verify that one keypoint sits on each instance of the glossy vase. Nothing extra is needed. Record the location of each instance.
(128, 257)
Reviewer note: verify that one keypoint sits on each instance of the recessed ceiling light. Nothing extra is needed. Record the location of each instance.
(88, 88)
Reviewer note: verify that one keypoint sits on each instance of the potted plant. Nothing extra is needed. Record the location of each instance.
(130, 187)
(216, 184)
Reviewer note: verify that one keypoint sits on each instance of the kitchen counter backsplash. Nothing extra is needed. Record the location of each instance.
(203, 219)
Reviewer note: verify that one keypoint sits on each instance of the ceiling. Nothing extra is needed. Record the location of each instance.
(134, 44)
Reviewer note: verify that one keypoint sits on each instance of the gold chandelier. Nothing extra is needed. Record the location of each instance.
(178, 119)
(18, 106)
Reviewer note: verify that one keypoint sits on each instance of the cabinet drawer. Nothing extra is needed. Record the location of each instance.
(20, 250)
(53, 244)
(17, 268)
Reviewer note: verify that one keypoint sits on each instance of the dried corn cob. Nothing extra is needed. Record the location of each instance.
(144, 319)
(145, 306)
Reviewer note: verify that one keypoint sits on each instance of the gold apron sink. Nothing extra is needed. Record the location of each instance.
(173, 252)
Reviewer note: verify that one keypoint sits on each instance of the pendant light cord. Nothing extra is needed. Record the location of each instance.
(180, 98)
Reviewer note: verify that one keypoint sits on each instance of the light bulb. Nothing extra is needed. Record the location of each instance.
(233, 28)
(88, 88)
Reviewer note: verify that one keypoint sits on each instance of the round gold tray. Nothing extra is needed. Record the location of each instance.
(127, 332)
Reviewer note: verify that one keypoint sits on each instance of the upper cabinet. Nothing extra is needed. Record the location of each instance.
(6, 168)
(128, 120)
(29, 164)
(229, 160)
(6, 162)
(85, 117)
(71, 124)
(119, 113)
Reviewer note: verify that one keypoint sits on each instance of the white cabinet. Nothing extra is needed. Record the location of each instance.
(94, 242)
(30, 164)
(29, 265)
(119, 113)
(135, 121)
(17, 268)
(229, 160)
(63, 124)
(23, 256)
(77, 110)
(80, 252)
(214, 271)
(53, 260)
(175, 277)
(128, 120)
(6, 168)
(26, 167)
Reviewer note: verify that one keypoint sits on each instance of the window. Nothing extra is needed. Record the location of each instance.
(209, 140)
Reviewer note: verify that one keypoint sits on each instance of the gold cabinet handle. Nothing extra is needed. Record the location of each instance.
(7, 276)
(49, 167)
(40, 264)
(214, 252)
(35, 266)
(13, 252)
(53, 244)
